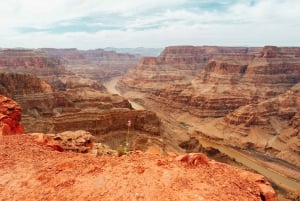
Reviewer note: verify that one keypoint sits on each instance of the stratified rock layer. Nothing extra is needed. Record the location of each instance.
(271, 125)
(95, 64)
(230, 81)
(175, 65)
(35, 172)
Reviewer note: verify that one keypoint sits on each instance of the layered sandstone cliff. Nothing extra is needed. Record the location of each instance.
(226, 82)
(175, 65)
(271, 126)
(95, 64)
(12, 84)
(34, 62)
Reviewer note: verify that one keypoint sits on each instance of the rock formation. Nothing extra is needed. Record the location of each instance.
(35, 62)
(10, 116)
(140, 176)
(56, 100)
(175, 65)
(14, 84)
(96, 64)
(271, 126)
(80, 107)
(197, 85)
(228, 82)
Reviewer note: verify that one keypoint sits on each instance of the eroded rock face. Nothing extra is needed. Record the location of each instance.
(247, 85)
(10, 116)
(175, 65)
(35, 62)
(14, 84)
(226, 82)
(79, 108)
(95, 64)
(230, 81)
(141, 176)
(271, 126)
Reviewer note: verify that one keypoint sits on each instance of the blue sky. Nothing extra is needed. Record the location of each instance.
(89, 24)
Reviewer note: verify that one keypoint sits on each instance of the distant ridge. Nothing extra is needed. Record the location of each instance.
(138, 50)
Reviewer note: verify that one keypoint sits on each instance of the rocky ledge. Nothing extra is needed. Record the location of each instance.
(32, 171)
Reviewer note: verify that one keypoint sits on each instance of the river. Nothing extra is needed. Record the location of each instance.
(111, 88)
(248, 161)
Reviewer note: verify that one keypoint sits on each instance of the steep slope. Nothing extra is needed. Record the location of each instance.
(271, 126)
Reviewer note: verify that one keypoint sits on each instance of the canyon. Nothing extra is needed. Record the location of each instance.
(244, 98)
(56, 171)
(262, 80)
(54, 99)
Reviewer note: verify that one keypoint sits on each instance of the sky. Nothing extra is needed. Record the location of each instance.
(90, 24)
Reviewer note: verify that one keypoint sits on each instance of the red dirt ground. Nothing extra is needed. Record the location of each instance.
(31, 171)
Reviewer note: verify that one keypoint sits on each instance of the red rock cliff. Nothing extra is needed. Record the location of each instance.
(10, 116)
(177, 64)
(230, 81)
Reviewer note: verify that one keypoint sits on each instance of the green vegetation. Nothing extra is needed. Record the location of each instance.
(184, 124)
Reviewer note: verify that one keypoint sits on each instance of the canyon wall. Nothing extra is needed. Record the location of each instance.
(54, 99)
(271, 126)
(95, 64)
(211, 85)
(43, 65)
(175, 65)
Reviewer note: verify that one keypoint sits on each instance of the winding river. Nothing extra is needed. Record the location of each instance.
(273, 176)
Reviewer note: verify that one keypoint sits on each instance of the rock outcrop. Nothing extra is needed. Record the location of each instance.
(141, 176)
(95, 64)
(10, 116)
(271, 126)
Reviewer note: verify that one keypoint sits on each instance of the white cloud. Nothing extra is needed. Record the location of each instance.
(149, 23)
